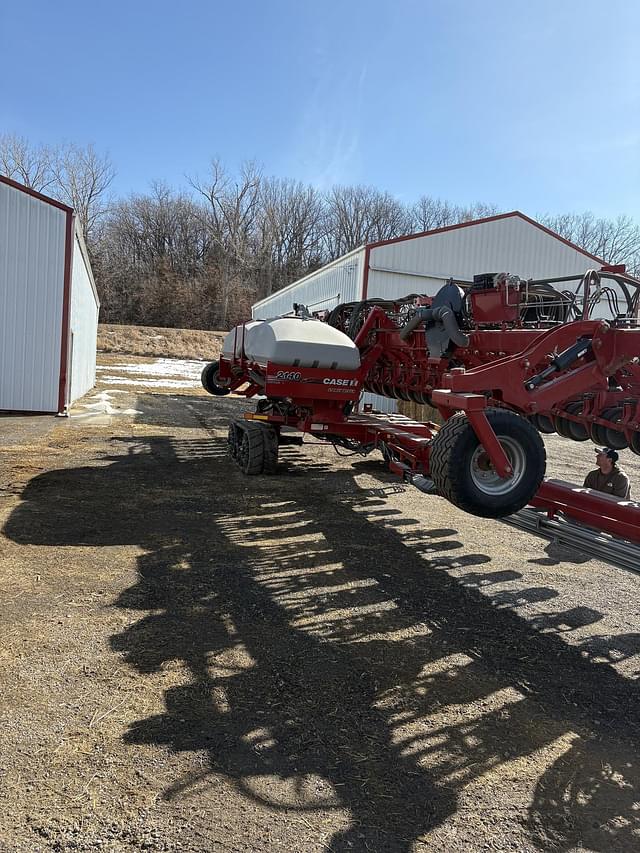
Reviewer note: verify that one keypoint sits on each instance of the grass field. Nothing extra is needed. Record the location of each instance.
(152, 340)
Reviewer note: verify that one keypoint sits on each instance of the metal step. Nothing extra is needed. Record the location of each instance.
(593, 543)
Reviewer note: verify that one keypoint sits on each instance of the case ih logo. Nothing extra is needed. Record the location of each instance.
(289, 375)
(348, 383)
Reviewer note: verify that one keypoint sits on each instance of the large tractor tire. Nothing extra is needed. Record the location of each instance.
(210, 381)
(463, 473)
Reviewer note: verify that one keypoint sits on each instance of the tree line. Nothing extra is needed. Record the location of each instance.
(199, 256)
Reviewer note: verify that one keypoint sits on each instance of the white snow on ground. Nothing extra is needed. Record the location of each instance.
(160, 367)
(151, 383)
(103, 405)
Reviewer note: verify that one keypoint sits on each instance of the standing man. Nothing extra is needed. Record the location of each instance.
(607, 477)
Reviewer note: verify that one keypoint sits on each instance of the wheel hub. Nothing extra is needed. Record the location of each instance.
(484, 475)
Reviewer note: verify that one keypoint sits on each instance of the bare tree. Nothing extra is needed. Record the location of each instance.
(231, 216)
(361, 214)
(477, 210)
(429, 213)
(614, 240)
(81, 178)
(30, 165)
(150, 256)
(290, 232)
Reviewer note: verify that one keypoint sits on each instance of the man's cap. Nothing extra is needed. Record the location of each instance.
(610, 452)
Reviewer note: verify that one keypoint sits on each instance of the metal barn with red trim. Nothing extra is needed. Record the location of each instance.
(422, 263)
(48, 304)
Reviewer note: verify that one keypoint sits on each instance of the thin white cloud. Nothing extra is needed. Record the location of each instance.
(327, 141)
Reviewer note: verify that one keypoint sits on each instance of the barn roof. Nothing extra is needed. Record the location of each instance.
(496, 218)
(41, 196)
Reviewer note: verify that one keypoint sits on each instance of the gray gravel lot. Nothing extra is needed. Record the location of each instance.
(321, 660)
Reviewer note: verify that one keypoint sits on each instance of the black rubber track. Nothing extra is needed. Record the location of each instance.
(250, 456)
(233, 440)
(270, 442)
(450, 464)
(254, 446)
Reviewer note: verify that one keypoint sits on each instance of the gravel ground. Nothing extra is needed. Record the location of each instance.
(323, 660)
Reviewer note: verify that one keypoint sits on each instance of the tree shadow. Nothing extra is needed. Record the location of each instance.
(324, 645)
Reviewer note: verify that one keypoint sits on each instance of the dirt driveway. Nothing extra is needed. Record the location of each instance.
(192, 660)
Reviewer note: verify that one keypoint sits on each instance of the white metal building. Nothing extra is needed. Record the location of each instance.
(422, 263)
(48, 304)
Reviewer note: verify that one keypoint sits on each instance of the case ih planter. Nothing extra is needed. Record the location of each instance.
(502, 361)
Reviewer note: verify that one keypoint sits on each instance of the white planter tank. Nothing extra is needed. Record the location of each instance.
(295, 342)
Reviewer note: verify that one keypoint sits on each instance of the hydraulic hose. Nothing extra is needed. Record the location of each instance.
(413, 324)
(443, 315)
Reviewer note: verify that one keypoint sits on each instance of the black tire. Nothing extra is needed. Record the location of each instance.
(209, 379)
(598, 434)
(578, 432)
(634, 444)
(615, 438)
(250, 456)
(562, 426)
(543, 424)
(464, 476)
(571, 429)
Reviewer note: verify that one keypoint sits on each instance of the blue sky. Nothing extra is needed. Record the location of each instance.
(529, 105)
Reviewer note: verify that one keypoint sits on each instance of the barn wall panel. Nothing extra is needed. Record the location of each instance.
(32, 247)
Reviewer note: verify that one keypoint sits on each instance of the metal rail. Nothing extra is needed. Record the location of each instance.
(593, 543)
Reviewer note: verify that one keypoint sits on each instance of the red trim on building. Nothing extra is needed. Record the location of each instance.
(481, 222)
(34, 194)
(66, 307)
(365, 274)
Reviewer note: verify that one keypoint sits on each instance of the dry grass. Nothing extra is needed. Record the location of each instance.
(154, 341)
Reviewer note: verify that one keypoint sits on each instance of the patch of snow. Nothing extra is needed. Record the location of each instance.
(159, 367)
(102, 406)
(150, 383)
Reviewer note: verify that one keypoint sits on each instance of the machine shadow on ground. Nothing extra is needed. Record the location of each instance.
(324, 642)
